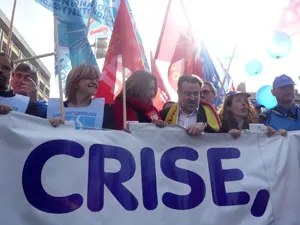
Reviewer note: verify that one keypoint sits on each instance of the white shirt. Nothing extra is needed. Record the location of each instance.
(186, 120)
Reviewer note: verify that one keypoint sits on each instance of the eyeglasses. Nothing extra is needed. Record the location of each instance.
(189, 93)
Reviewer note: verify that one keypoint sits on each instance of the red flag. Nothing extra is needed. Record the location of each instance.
(162, 95)
(123, 43)
(177, 44)
(171, 31)
(290, 20)
(186, 60)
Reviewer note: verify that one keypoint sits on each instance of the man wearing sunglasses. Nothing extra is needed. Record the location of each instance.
(190, 112)
(208, 92)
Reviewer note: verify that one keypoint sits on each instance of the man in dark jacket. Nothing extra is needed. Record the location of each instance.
(194, 115)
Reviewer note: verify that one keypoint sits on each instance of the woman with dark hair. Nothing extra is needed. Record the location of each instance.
(141, 88)
(237, 113)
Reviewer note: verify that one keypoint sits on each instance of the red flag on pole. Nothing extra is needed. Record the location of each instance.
(171, 31)
(290, 19)
(186, 60)
(177, 44)
(162, 95)
(123, 50)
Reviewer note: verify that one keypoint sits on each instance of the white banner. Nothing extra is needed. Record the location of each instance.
(62, 176)
(19, 103)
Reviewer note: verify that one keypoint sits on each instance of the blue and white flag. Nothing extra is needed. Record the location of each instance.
(72, 20)
(214, 72)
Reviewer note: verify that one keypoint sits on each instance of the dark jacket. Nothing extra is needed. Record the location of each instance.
(201, 117)
(227, 125)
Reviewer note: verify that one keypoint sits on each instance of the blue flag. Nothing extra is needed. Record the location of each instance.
(214, 72)
(72, 19)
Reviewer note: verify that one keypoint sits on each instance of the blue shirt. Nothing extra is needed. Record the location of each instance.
(281, 118)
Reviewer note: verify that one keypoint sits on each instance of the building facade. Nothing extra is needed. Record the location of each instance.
(20, 50)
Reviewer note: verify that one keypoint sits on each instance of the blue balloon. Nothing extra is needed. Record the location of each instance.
(254, 67)
(280, 46)
(264, 97)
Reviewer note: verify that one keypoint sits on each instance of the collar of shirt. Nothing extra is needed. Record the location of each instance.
(285, 112)
(191, 114)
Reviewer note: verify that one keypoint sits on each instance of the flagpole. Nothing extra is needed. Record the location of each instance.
(226, 76)
(162, 30)
(88, 23)
(151, 67)
(224, 69)
(57, 52)
(124, 97)
(11, 27)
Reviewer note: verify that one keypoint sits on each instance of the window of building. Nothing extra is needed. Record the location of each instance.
(3, 47)
(13, 56)
(41, 86)
(40, 97)
(47, 92)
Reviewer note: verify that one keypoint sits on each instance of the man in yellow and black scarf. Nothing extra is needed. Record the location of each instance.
(194, 115)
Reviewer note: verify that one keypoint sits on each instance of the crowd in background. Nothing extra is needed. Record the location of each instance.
(194, 110)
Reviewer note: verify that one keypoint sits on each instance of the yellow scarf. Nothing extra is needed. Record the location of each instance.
(211, 116)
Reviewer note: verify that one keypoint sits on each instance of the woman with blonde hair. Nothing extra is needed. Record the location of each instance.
(81, 86)
(141, 88)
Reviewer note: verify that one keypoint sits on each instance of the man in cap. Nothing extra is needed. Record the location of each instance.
(285, 115)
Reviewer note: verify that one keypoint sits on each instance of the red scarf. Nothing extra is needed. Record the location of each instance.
(132, 107)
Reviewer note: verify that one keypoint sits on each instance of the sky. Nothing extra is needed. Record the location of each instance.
(221, 24)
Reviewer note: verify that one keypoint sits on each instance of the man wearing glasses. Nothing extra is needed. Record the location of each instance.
(194, 115)
(208, 92)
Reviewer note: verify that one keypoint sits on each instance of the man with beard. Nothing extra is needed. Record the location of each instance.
(195, 115)
(286, 114)
(6, 67)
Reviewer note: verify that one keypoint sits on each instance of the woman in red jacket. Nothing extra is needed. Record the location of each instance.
(141, 88)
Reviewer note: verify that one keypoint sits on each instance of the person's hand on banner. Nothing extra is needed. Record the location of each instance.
(270, 131)
(5, 109)
(159, 123)
(55, 122)
(235, 133)
(282, 132)
(196, 129)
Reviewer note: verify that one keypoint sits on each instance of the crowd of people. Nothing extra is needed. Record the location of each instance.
(194, 109)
